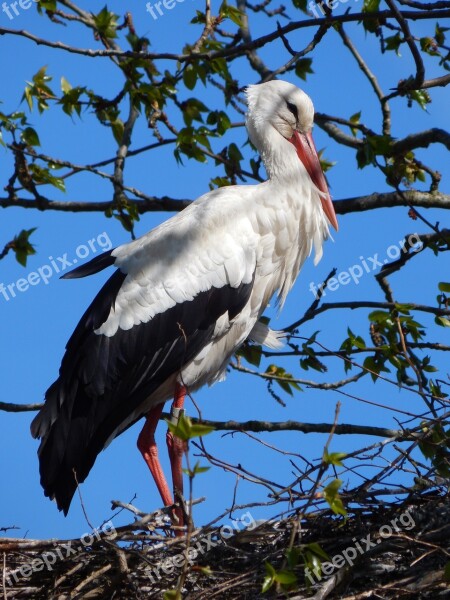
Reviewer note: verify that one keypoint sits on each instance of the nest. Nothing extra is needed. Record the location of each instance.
(381, 552)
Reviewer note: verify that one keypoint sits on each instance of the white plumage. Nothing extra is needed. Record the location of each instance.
(188, 293)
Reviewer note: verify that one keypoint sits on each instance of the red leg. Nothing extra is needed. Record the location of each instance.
(149, 450)
(177, 448)
(147, 445)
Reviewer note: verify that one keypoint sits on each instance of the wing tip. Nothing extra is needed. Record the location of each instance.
(96, 264)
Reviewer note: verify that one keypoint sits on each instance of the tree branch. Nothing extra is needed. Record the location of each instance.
(165, 203)
(363, 304)
(254, 59)
(153, 204)
(420, 69)
(386, 112)
(334, 385)
(421, 140)
(236, 51)
(342, 429)
(391, 199)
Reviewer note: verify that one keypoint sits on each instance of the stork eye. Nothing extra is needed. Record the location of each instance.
(293, 109)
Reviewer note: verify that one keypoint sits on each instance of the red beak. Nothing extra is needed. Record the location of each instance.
(307, 153)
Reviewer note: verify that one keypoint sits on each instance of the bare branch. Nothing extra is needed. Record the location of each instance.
(422, 140)
(334, 385)
(371, 78)
(318, 36)
(270, 426)
(254, 59)
(390, 199)
(436, 82)
(364, 304)
(165, 203)
(420, 69)
(232, 52)
(153, 204)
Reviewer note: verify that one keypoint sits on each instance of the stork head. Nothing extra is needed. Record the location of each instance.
(284, 108)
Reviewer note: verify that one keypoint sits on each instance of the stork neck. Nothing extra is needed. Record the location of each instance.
(279, 156)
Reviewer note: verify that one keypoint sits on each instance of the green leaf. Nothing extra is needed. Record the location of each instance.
(192, 109)
(403, 307)
(374, 367)
(197, 430)
(22, 247)
(422, 97)
(65, 85)
(234, 153)
(324, 163)
(442, 321)
(355, 119)
(444, 287)
(269, 579)
(429, 45)
(364, 156)
(190, 77)
(118, 127)
(356, 341)
(106, 23)
(172, 595)
(195, 470)
(303, 67)
(379, 316)
(316, 549)
(439, 34)
(232, 13)
(268, 582)
(30, 137)
(186, 430)
(332, 497)
(285, 577)
(252, 354)
(447, 572)
(393, 42)
(301, 4)
(28, 97)
(43, 175)
(49, 5)
(371, 5)
(333, 458)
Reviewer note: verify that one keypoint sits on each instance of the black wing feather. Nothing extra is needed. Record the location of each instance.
(103, 380)
(93, 266)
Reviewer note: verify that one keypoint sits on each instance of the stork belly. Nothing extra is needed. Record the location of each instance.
(210, 364)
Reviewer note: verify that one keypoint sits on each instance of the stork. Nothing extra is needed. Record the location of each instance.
(184, 297)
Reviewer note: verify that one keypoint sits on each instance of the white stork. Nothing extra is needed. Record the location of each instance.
(183, 299)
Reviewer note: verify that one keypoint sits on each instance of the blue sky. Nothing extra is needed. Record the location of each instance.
(36, 324)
